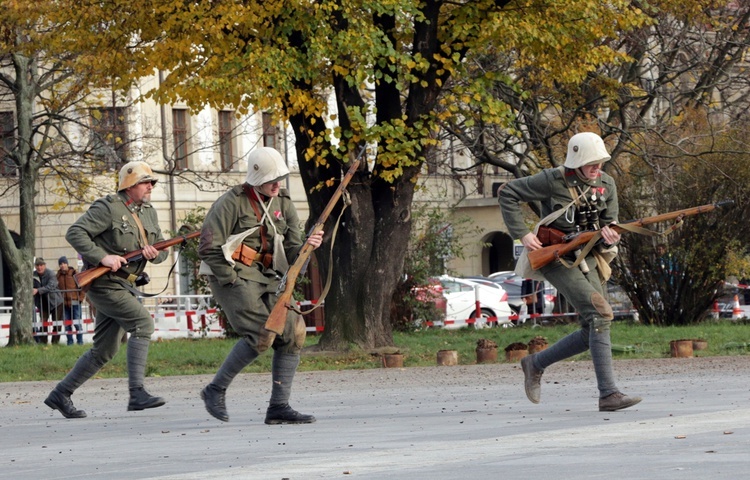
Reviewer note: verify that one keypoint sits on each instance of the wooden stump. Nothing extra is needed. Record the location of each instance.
(700, 344)
(393, 360)
(537, 348)
(515, 355)
(681, 348)
(447, 357)
(486, 355)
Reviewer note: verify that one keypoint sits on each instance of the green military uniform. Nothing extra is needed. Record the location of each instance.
(247, 293)
(265, 214)
(584, 291)
(582, 286)
(108, 228)
(555, 189)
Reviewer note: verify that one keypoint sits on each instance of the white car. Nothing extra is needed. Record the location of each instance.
(461, 296)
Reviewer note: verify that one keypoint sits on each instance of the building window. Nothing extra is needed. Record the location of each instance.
(270, 134)
(110, 136)
(7, 144)
(180, 136)
(226, 153)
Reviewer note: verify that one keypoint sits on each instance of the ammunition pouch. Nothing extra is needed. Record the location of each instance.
(137, 280)
(246, 256)
(550, 236)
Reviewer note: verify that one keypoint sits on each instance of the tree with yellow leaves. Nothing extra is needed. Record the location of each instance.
(386, 65)
(59, 63)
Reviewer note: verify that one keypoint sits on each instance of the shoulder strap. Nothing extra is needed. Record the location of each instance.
(254, 203)
(144, 238)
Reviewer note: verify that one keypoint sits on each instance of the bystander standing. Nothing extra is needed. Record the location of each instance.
(72, 300)
(48, 301)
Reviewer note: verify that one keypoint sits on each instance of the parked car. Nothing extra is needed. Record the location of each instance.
(513, 285)
(500, 276)
(618, 299)
(461, 295)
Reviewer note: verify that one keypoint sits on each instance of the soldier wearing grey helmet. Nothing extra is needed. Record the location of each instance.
(113, 226)
(577, 196)
(248, 238)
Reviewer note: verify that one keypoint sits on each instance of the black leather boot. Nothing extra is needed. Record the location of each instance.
(57, 400)
(278, 414)
(140, 399)
(215, 399)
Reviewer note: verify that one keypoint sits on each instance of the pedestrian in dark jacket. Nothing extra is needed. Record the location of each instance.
(48, 301)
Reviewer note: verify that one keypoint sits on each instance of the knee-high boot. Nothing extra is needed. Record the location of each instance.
(59, 398)
(283, 369)
(214, 395)
(140, 399)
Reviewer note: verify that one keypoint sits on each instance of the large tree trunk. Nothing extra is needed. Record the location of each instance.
(367, 267)
(19, 258)
(368, 253)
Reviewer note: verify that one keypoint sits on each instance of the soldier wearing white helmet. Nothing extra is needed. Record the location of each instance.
(113, 226)
(265, 165)
(577, 196)
(247, 239)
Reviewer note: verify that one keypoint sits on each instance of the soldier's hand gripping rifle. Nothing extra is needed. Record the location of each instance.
(277, 319)
(542, 256)
(87, 276)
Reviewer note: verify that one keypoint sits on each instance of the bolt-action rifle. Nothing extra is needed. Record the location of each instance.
(542, 256)
(87, 276)
(277, 319)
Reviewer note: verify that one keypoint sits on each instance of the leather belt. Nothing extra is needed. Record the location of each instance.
(247, 256)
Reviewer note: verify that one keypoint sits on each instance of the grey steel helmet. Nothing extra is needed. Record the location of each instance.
(264, 165)
(584, 149)
(133, 173)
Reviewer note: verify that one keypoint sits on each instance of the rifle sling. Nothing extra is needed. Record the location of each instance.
(624, 226)
(131, 284)
(347, 201)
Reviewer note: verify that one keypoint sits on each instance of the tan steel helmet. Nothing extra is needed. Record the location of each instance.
(133, 173)
(264, 165)
(584, 149)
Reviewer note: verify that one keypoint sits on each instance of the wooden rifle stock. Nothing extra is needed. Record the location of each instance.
(277, 319)
(85, 277)
(541, 257)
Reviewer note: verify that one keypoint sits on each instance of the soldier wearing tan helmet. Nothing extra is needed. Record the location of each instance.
(577, 196)
(248, 239)
(112, 227)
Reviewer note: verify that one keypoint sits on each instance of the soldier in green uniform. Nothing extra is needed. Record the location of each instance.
(113, 226)
(577, 196)
(248, 238)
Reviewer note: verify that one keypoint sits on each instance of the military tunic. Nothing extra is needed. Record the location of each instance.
(551, 188)
(108, 228)
(247, 294)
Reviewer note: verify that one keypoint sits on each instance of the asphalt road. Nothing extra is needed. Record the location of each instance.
(415, 423)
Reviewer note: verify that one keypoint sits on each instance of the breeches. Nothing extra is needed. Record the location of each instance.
(584, 291)
(117, 311)
(248, 304)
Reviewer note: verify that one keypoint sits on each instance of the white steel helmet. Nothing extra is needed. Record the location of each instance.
(584, 149)
(264, 165)
(133, 173)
